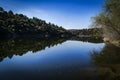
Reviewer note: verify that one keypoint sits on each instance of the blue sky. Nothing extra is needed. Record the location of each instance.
(71, 14)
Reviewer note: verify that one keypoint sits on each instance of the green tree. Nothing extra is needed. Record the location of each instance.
(109, 20)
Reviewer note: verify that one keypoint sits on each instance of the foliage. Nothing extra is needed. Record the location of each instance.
(109, 19)
(15, 25)
(92, 32)
(18, 25)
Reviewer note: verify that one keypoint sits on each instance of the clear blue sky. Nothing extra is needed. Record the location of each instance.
(71, 14)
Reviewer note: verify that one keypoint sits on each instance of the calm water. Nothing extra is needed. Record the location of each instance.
(56, 59)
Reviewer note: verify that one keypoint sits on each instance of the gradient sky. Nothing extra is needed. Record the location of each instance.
(71, 14)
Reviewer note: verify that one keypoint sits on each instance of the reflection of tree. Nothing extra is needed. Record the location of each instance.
(9, 48)
(108, 62)
(88, 39)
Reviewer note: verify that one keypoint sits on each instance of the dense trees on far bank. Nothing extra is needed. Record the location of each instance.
(20, 25)
(109, 21)
(92, 32)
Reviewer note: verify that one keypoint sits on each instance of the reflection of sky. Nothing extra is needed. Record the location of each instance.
(69, 54)
(67, 13)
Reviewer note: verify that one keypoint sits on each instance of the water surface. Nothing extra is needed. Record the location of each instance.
(48, 59)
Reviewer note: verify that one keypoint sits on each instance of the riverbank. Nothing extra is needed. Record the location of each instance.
(114, 42)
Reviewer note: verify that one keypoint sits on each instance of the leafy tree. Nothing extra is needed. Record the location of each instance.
(109, 20)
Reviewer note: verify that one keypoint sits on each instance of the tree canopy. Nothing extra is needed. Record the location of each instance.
(12, 25)
(18, 24)
(109, 19)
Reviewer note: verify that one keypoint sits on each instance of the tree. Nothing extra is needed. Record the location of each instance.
(10, 12)
(109, 20)
(1, 9)
(20, 24)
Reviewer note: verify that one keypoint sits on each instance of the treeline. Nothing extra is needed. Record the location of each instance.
(91, 32)
(20, 25)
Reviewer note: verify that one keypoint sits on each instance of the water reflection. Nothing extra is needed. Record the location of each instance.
(48, 59)
(11, 47)
(108, 62)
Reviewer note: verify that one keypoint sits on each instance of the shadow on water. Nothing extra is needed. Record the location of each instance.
(108, 62)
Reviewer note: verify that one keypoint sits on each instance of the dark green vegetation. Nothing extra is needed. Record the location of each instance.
(109, 21)
(108, 62)
(92, 32)
(20, 25)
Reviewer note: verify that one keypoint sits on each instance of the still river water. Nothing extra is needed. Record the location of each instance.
(58, 59)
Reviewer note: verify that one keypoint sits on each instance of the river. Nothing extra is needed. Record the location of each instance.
(57, 59)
